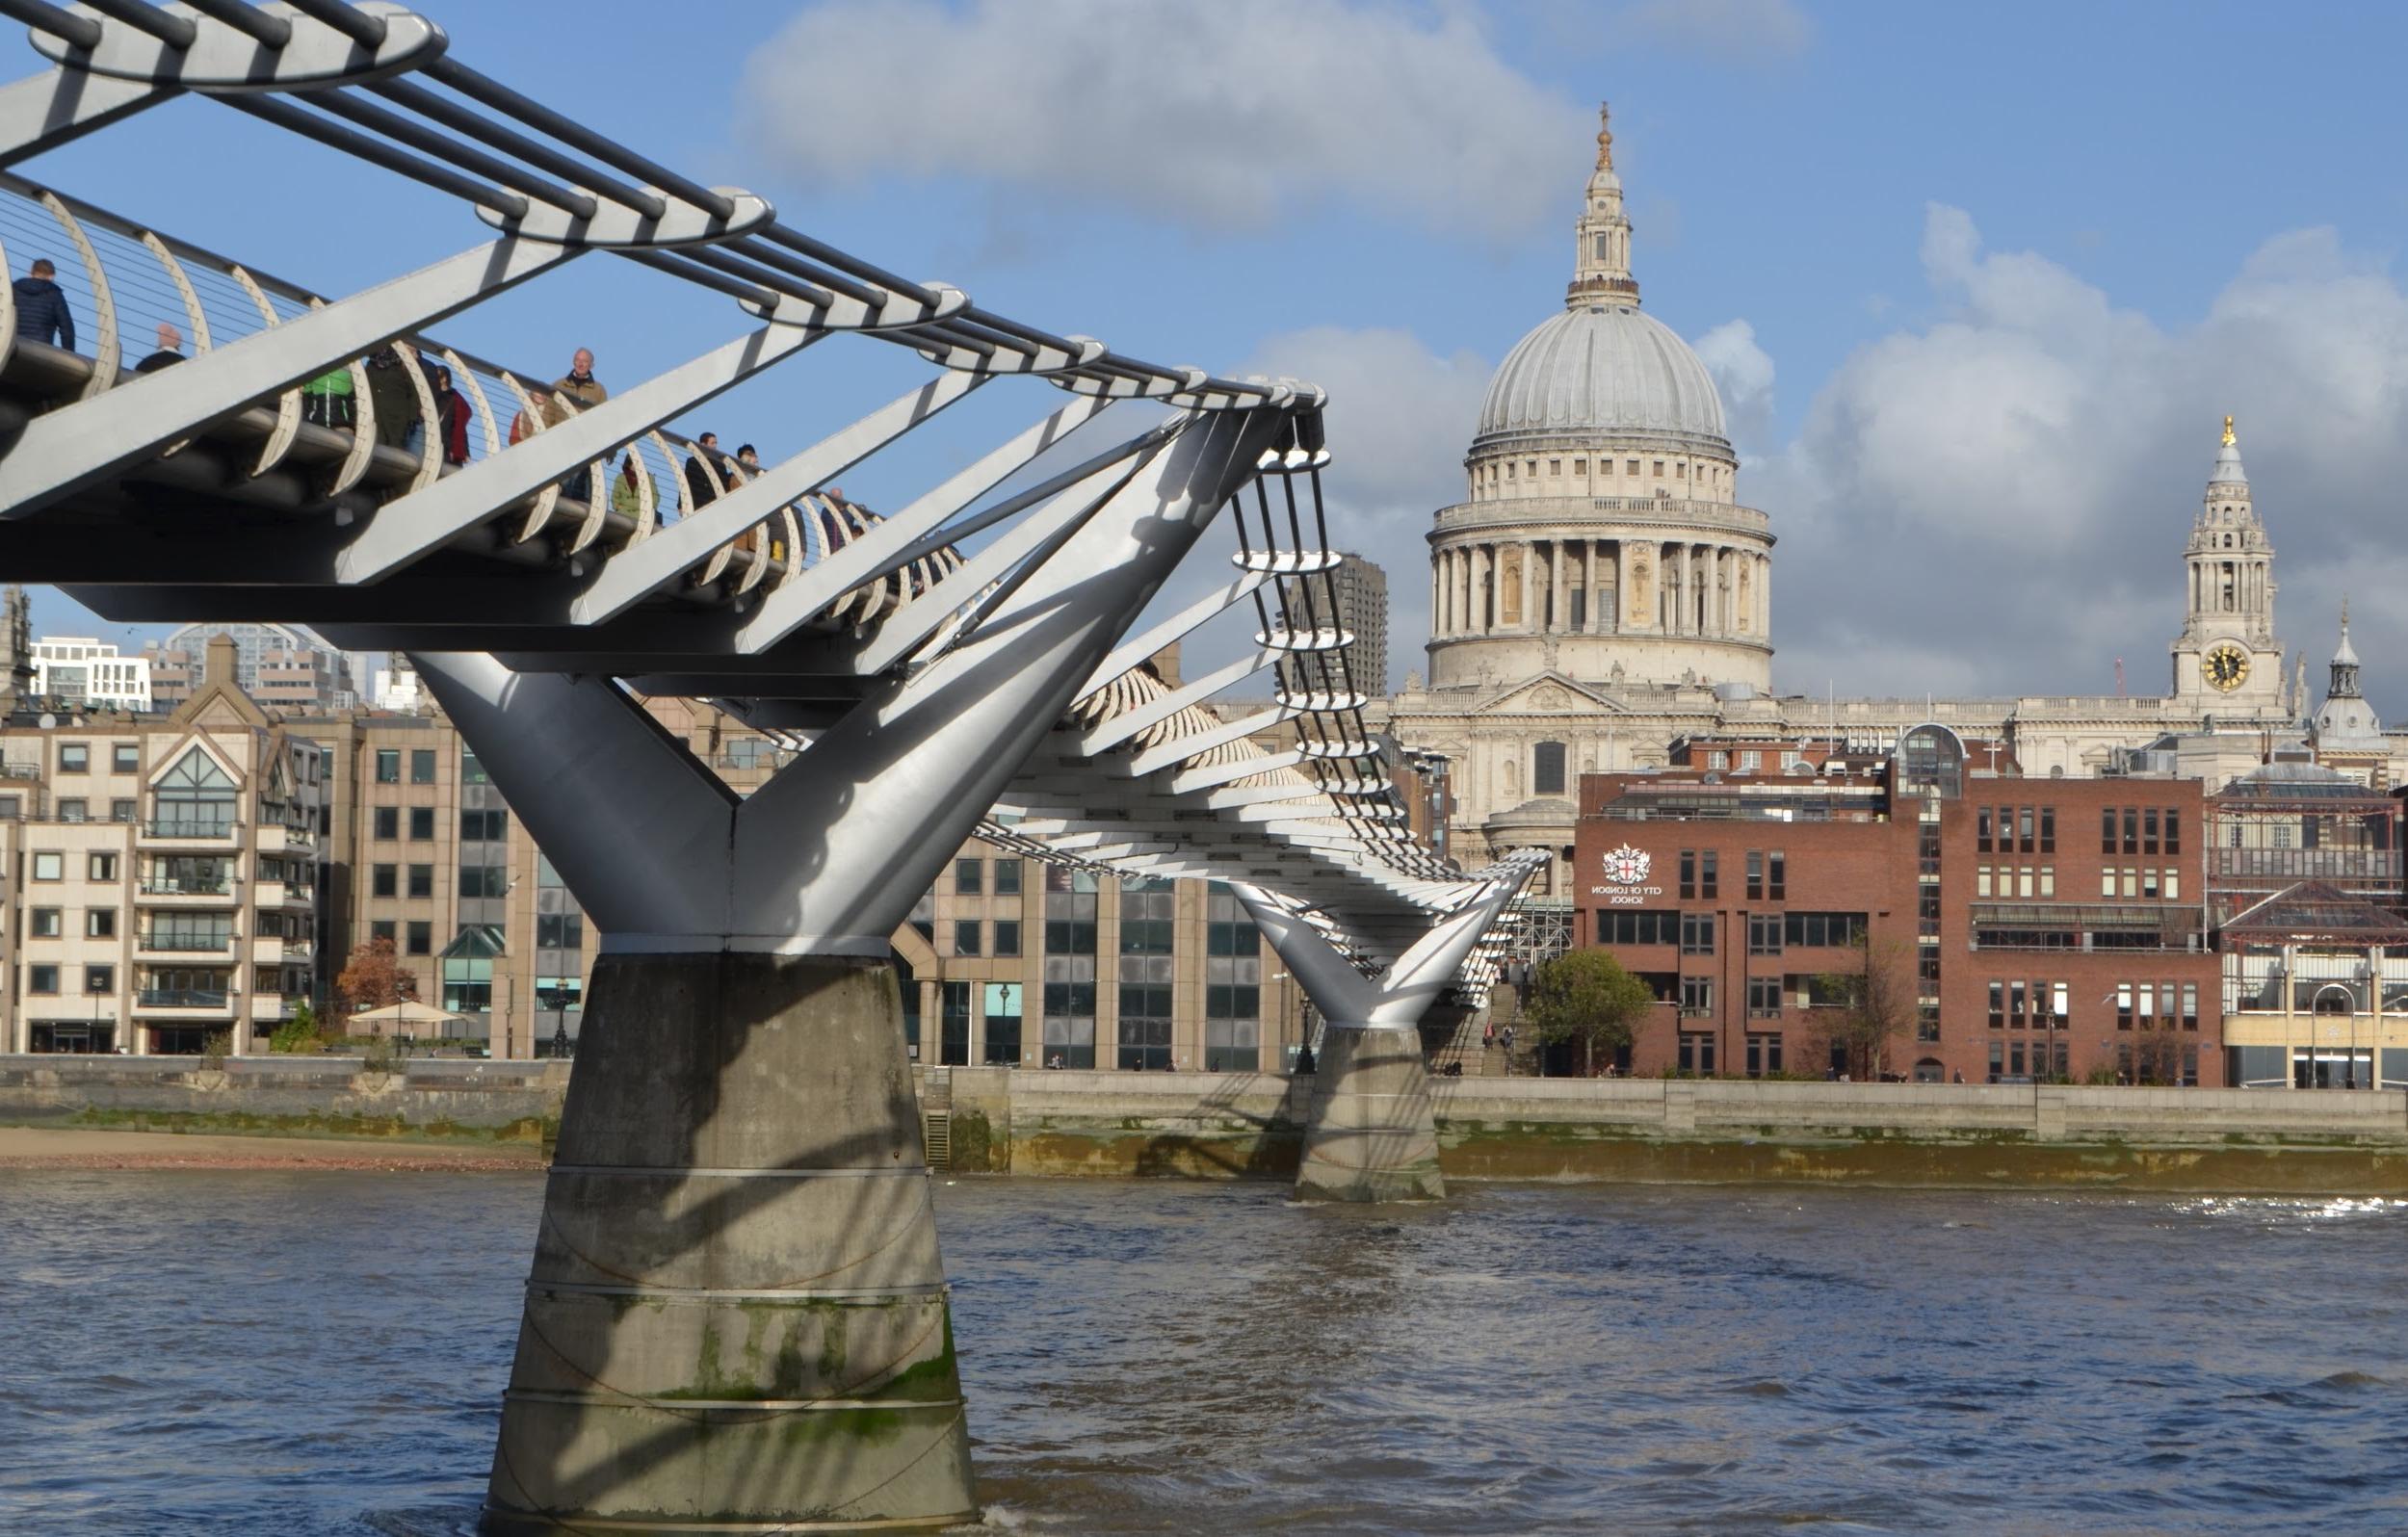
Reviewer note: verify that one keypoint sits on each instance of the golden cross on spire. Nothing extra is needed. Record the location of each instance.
(2228, 432)
(1605, 137)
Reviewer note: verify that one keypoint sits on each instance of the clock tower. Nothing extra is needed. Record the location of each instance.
(2227, 660)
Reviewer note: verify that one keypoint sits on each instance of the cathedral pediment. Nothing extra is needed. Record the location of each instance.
(1550, 693)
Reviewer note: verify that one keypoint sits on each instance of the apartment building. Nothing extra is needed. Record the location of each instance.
(159, 874)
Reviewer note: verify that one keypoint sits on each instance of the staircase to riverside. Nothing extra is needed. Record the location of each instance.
(936, 1119)
(1463, 1042)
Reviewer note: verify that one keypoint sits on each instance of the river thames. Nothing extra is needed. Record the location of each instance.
(323, 1353)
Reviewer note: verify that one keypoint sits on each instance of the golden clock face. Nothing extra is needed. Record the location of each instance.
(2227, 668)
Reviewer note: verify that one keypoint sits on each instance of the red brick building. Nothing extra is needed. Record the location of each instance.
(2041, 927)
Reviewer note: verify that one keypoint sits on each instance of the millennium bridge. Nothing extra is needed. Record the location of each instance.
(737, 1317)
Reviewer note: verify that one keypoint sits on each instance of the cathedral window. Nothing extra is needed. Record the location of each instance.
(1580, 467)
(1680, 472)
(1547, 769)
(1659, 466)
(1633, 469)
(1555, 466)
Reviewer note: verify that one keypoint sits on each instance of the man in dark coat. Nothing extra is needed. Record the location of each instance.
(701, 491)
(170, 353)
(41, 312)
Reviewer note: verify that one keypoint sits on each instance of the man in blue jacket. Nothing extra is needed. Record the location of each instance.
(42, 311)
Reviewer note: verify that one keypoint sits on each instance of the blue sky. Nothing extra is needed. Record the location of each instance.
(2100, 225)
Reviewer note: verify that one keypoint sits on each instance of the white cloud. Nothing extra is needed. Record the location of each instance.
(1220, 115)
(1742, 373)
(1998, 500)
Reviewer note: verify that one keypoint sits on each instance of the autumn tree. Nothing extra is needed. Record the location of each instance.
(374, 978)
(1586, 996)
(1872, 1004)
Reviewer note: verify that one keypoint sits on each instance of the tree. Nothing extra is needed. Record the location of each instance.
(1586, 996)
(1872, 1003)
(373, 977)
(299, 1032)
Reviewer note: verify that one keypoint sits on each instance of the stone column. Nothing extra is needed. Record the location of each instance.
(1530, 589)
(1591, 611)
(1560, 584)
(1481, 609)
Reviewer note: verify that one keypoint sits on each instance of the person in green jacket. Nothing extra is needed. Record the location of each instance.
(327, 399)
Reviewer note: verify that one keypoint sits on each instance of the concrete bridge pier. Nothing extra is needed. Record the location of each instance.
(1370, 1133)
(737, 1318)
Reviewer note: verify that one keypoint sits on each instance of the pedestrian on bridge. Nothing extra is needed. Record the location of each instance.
(41, 312)
(453, 411)
(577, 390)
(170, 353)
(701, 489)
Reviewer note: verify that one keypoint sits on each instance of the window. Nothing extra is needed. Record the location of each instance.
(76, 808)
(1689, 873)
(483, 882)
(966, 936)
(1634, 467)
(1827, 929)
(1763, 1054)
(422, 880)
(1003, 1021)
(1998, 1005)
(1764, 997)
(100, 922)
(1697, 995)
(1555, 466)
(2131, 830)
(101, 978)
(1706, 861)
(2191, 1005)
(967, 881)
(381, 929)
(126, 757)
(1981, 830)
(1547, 769)
(2106, 830)
(1007, 878)
(422, 766)
(388, 821)
(388, 766)
(1659, 466)
(2048, 829)
(1623, 926)
(381, 880)
(1764, 934)
(1981, 880)
(421, 938)
(42, 978)
(2173, 832)
(2173, 885)
(2048, 881)
(2023, 830)
(42, 922)
(51, 866)
(421, 823)
(1777, 876)
(101, 866)
(74, 757)
(1006, 936)
(1697, 933)
(1697, 1051)
(489, 825)
(2123, 1005)
(1755, 875)
(121, 811)
(196, 799)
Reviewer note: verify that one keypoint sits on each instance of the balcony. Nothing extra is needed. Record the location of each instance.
(271, 1008)
(284, 894)
(167, 892)
(271, 951)
(183, 1003)
(196, 832)
(279, 839)
(182, 946)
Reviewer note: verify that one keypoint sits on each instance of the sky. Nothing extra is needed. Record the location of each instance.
(1978, 283)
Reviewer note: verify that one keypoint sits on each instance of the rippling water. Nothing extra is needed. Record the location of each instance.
(321, 1353)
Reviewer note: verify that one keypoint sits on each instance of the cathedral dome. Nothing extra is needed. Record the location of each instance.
(1603, 370)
